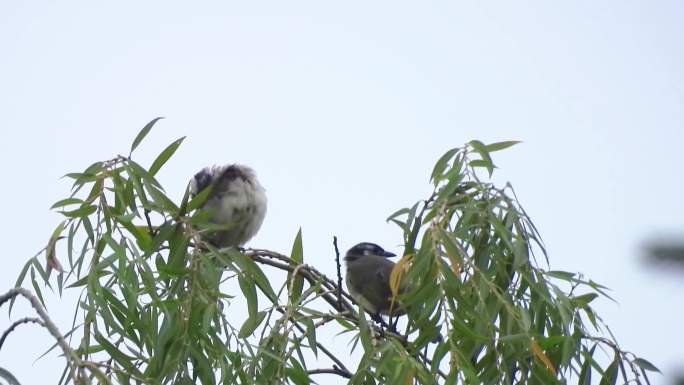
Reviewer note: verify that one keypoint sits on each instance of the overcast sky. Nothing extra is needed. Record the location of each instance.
(343, 109)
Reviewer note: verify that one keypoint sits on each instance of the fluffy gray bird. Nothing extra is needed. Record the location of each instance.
(236, 200)
(368, 277)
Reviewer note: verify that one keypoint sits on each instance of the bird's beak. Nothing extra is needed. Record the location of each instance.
(389, 255)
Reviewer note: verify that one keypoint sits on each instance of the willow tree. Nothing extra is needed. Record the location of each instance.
(483, 308)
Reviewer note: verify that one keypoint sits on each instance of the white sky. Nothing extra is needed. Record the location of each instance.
(343, 109)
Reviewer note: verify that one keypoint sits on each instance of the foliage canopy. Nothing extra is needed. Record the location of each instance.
(153, 306)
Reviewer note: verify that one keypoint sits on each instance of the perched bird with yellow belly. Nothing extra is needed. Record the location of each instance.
(368, 279)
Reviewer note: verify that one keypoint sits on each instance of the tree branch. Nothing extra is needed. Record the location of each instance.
(338, 364)
(333, 370)
(339, 273)
(17, 323)
(309, 273)
(73, 361)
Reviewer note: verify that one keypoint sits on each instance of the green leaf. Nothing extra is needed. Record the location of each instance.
(36, 288)
(248, 265)
(564, 275)
(142, 237)
(441, 164)
(297, 374)
(486, 160)
(117, 355)
(89, 175)
(585, 372)
(249, 290)
(482, 163)
(84, 281)
(251, 324)
(644, 364)
(165, 155)
(311, 335)
(83, 211)
(500, 145)
(66, 202)
(584, 299)
(364, 331)
(50, 253)
(199, 199)
(161, 199)
(397, 213)
(23, 272)
(297, 256)
(611, 373)
(141, 135)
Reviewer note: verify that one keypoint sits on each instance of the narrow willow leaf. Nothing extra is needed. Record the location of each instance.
(644, 364)
(486, 159)
(82, 211)
(22, 274)
(143, 174)
(36, 288)
(611, 373)
(396, 278)
(501, 145)
(296, 283)
(161, 199)
(297, 374)
(203, 368)
(66, 202)
(142, 236)
(584, 299)
(50, 249)
(164, 156)
(198, 200)
(483, 163)
(364, 332)
(251, 324)
(441, 164)
(141, 135)
(397, 213)
(585, 372)
(249, 290)
(89, 175)
(247, 264)
(564, 275)
(122, 359)
(541, 356)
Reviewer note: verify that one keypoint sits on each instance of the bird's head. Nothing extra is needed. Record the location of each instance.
(221, 176)
(366, 249)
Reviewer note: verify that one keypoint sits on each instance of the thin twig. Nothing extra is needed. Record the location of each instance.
(333, 370)
(17, 323)
(73, 360)
(322, 348)
(149, 222)
(310, 274)
(339, 271)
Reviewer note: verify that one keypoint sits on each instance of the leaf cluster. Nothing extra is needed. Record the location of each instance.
(155, 297)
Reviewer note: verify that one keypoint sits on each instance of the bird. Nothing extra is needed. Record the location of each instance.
(368, 279)
(237, 200)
